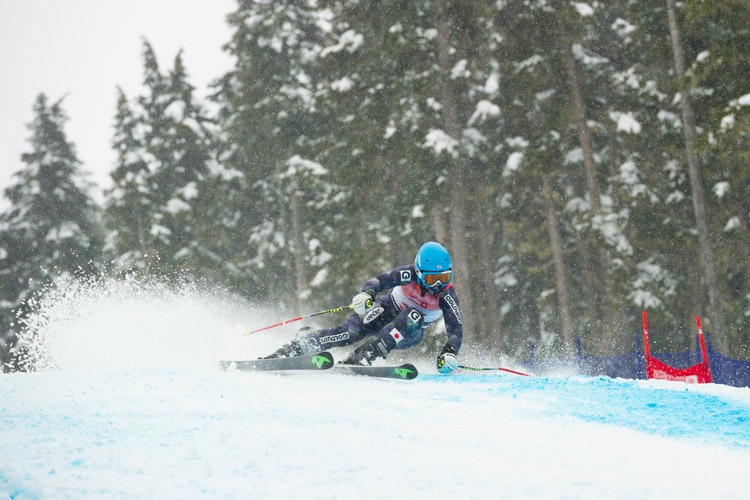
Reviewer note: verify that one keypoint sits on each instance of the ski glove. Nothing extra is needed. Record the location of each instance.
(447, 360)
(362, 302)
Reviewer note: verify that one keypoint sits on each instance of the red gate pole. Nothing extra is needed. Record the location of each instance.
(645, 345)
(645, 334)
(703, 344)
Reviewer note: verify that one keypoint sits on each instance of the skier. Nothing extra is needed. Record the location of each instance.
(416, 296)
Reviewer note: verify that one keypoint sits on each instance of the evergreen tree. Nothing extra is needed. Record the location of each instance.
(646, 181)
(412, 70)
(51, 229)
(128, 202)
(718, 39)
(165, 190)
(447, 120)
(270, 103)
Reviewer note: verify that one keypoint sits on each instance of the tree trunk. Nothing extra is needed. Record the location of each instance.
(438, 220)
(458, 220)
(141, 233)
(298, 247)
(580, 114)
(720, 335)
(607, 329)
(588, 277)
(281, 285)
(491, 326)
(743, 213)
(561, 282)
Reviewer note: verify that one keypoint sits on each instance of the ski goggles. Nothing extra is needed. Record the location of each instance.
(437, 278)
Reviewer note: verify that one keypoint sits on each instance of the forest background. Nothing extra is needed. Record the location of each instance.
(581, 161)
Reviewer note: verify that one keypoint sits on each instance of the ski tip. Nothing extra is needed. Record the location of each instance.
(322, 360)
(407, 371)
(231, 365)
(239, 365)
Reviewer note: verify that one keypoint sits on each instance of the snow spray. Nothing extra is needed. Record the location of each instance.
(107, 322)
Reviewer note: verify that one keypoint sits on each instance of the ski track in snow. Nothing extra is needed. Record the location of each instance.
(153, 418)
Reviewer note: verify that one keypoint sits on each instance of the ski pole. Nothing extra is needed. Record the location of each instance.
(337, 309)
(495, 368)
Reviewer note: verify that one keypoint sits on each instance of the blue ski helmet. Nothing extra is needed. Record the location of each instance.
(434, 267)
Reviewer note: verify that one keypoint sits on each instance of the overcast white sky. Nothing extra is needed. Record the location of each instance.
(83, 49)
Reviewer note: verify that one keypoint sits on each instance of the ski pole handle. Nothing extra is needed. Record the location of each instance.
(337, 309)
(472, 368)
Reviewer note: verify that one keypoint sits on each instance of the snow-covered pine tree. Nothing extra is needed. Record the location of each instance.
(270, 106)
(164, 192)
(128, 201)
(403, 79)
(51, 229)
(717, 40)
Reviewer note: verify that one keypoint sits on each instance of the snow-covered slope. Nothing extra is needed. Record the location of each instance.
(142, 412)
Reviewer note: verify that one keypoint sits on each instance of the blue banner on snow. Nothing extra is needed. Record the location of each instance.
(724, 370)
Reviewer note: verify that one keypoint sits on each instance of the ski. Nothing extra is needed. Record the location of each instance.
(319, 361)
(407, 371)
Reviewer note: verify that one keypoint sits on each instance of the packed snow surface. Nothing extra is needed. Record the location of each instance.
(130, 403)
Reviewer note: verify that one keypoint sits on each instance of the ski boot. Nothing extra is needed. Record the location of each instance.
(302, 344)
(365, 354)
(293, 348)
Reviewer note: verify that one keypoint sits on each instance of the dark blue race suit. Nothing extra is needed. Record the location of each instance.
(398, 317)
